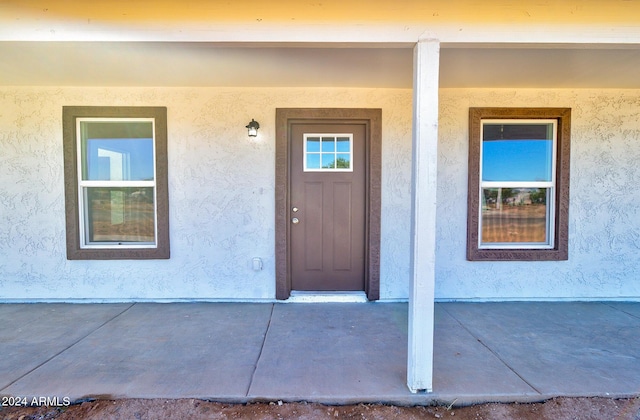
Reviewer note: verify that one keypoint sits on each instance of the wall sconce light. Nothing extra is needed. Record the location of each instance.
(253, 128)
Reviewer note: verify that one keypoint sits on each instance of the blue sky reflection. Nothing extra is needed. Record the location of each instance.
(517, 160)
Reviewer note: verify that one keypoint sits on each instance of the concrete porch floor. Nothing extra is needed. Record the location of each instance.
(335, 353)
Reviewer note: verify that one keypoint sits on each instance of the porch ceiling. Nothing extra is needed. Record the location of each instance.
(580, 21)
(286, 11)
(312, 65)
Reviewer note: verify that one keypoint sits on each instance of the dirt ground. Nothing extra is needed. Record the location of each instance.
(559, 408)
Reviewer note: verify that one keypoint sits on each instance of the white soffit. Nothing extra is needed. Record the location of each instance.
(277, 65)
(611, 66)
(200, 64)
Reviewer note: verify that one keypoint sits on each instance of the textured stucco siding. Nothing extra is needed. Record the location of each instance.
(221, 192)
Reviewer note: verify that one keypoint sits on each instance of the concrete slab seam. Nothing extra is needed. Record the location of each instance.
(492, 352)
(67, 348)
(621, 310)
(264, 340)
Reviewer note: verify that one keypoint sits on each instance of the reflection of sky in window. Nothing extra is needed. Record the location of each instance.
(343, 144)
(328, 160)
(313, 144)
(517, 160)
(313, 161)
(133, 158)
(328, 144)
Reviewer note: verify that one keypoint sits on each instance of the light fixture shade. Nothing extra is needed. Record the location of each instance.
(252, 127)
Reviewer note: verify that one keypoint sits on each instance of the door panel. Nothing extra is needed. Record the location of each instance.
(312, 215)
(327, 244)
(342, 240)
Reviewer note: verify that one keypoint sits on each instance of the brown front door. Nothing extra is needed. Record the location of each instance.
(327, 233)
(328, 176)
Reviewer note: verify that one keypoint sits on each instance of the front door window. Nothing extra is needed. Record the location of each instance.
(328, 152)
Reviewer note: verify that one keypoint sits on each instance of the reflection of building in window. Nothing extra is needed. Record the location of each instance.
(113, 165)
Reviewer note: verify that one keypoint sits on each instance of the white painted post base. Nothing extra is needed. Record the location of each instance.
(423, 217)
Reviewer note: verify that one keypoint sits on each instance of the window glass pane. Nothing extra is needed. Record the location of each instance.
(106, 156)
(517, 131)
(313, 160)
(514, 215)
(326, 152)
(517, 152)
(313, 144)
(120, 215)
(343, 161)
(328, 160)
(343, 144)
(328, 144)
(117, 129)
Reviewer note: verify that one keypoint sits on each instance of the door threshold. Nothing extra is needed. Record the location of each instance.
(298, 296)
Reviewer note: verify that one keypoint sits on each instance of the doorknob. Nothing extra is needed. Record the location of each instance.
(295, 221)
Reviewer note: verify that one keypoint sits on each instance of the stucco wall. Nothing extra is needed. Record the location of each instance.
(221, 188)
(221, 192)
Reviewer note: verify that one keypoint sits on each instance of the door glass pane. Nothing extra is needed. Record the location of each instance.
(343, 144)
(515, 215)
(517, 152)
(117, 151)
(313, 144)
(120, 214)
(343, 161)
(328, 160)
(328, 144)
(313, 161)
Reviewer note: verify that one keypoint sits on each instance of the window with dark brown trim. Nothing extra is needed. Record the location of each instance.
(115, 171)
(518, 200)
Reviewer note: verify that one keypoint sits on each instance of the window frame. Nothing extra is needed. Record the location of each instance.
(558, 250)
(320, 153)
(75, 222)
(548, 185)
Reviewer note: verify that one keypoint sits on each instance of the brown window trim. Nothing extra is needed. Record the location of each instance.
(74, 251)
(560, 249)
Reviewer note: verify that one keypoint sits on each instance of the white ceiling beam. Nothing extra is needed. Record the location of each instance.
(320, 33)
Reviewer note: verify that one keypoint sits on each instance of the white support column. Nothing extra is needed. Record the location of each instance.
(423, 216)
